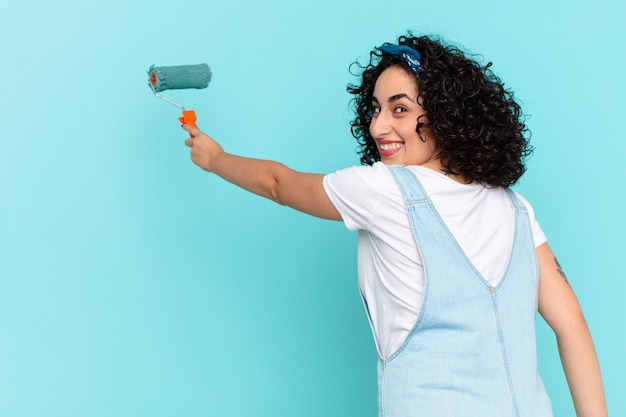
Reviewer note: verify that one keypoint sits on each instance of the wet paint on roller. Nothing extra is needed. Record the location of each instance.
(179, 77)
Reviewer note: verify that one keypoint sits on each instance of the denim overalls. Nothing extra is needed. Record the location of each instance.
(472, 352)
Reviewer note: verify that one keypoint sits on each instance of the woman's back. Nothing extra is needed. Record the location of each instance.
(391, 277)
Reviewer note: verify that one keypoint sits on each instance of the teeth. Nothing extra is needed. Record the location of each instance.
(390, 146)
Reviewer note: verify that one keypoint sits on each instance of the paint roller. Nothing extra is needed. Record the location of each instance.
(176, 78)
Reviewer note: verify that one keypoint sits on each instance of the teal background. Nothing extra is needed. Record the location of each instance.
(134, 284)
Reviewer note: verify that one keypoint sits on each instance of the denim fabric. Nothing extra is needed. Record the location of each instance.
(472, 351)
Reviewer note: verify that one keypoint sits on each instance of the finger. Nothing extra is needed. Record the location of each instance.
(189, 142)
(193, 131)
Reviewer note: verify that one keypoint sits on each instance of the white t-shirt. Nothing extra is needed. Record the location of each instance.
(391, 275)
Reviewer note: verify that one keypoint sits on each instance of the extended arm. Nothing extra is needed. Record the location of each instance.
(269, 179)
(560, 308)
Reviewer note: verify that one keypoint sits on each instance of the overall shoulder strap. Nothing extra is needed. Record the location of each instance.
(516, 201)
(410, 186)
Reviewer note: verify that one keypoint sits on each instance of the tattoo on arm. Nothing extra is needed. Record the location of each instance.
(560, 270)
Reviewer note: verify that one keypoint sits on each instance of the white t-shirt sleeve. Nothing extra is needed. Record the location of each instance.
(355, 193)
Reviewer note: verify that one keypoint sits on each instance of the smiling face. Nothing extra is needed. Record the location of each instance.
(394, 121)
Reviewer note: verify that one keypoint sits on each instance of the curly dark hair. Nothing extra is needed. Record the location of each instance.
(478, 127)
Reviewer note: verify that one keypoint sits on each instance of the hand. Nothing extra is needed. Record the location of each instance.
(204, 150)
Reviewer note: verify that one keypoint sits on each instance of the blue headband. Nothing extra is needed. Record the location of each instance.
(410, 55)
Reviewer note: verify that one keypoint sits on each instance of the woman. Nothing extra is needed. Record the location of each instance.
(452, 264)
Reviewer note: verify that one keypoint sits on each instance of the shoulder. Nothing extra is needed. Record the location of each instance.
(378, 169)
(538, 233)
(524, 201)
(362, 179)
(359, 192)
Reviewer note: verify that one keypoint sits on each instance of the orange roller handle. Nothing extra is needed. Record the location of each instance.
(189, 118)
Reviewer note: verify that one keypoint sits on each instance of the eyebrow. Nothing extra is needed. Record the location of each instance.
(395, 97)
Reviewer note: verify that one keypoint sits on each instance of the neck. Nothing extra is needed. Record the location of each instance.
(436, 165)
